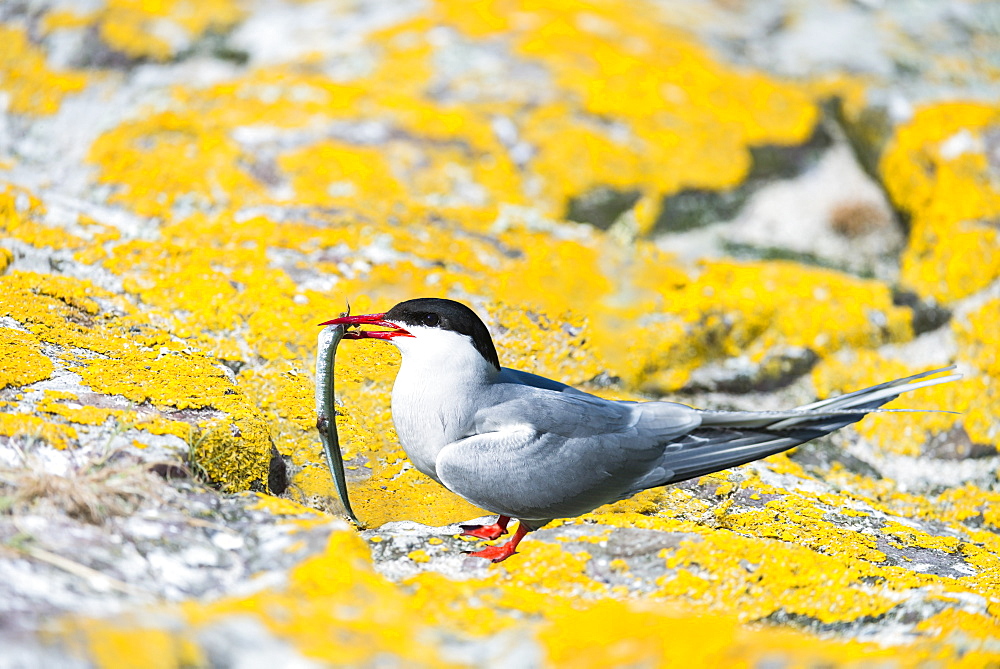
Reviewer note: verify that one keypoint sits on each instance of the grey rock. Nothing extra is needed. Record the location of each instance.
(639, 549)
(741, 375)
(242, 642)
(831, 215)
(601, 207)
(691, 209)
(819, 455)
(182, 542)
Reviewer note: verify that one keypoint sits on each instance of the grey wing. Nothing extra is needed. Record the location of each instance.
(540, 454)
(578, 414)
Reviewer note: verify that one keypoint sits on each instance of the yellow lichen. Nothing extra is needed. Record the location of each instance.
(327, 608)
(21, 359)
(32, 427)
(394, 493)
(825, 588)
(233, 445)
(963, 625)
(674, 123)
(159, 29)
(629, 638)
(112, 647)
(791, 518)
(284, 507)
(419, 556)
(548, 568)
(936, 168)
(655, 81)
(64, 19)
(979, 343)
(158, 160)
(33, 88)
(20, 222)
(157, 425)
(83, 415)
(333, 173)
(750, 309)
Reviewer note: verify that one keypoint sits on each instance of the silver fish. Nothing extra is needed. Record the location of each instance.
(326, 421)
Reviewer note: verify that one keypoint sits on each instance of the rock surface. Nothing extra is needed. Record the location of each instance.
(745, 205)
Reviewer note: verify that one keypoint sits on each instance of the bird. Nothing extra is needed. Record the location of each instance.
(529, 448)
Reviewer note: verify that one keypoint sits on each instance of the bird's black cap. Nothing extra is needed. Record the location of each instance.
(434, 312)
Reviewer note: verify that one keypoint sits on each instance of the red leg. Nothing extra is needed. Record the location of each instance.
(487, 531)
(502, 552)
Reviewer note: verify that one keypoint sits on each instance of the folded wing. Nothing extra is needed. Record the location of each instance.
(542, 454)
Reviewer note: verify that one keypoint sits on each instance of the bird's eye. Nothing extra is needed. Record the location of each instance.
(431, 320)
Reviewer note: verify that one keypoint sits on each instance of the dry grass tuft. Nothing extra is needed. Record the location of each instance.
(91, 493)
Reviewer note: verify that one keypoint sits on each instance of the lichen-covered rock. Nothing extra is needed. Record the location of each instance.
(941, 167)
(83, 372)
(188, 189)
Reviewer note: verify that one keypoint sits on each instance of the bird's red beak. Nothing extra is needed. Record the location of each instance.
(369, 319)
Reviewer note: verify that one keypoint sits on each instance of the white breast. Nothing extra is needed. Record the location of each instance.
(434, 396)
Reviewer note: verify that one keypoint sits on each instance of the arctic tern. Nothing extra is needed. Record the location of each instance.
(533, 449)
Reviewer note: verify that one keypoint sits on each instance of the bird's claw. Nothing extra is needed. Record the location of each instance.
(493, 531)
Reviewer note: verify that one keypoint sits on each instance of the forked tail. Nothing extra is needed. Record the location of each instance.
(730, 438)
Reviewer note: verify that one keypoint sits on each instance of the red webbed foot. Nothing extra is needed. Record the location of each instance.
(495, 553)
(487, 531)
(503, 551)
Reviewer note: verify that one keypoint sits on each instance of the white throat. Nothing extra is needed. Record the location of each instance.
(433, 398)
